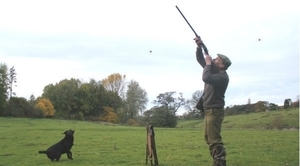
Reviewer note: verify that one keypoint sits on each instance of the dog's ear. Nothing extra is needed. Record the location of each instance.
(66, 132)
(69, 132)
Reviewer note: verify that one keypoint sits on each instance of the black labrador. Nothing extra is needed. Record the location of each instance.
(55, 151)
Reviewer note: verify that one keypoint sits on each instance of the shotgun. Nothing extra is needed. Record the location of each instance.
(203, 45)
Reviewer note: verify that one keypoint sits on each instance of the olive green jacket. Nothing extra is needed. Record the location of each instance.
(216, 82)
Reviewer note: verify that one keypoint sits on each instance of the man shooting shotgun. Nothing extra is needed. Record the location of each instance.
(216, 81)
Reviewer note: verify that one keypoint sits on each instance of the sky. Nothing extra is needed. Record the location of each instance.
(48, 41)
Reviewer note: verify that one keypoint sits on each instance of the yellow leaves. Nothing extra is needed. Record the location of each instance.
(132, 122)
(116, 83)
(260, 106)
(46, 106)
(109, 115)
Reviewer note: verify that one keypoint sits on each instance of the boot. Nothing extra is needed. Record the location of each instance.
(218, 154)
(219, 162)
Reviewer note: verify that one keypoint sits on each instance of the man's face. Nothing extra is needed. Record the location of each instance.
(218, 61)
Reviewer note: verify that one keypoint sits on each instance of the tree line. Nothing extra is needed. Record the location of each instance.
(111, 99)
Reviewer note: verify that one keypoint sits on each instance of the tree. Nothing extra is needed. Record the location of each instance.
(3, 97)
(20, 107)
(32, 99)
(136, 99)
(160, 116)
(167, 99)
(74, 98)
(164, 113)
(63, 96)
(12, 80)
(116, 83)
(34, 112)
(261, 106)
(273, 107)
(287, 103)
(190, 106)
(3, 89)
(83, 98)
(109, 115)
(46, 107)
(93, 97)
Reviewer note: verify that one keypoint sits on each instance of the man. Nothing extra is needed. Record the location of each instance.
(216, 81)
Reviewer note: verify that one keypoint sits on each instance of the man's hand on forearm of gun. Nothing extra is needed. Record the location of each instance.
(198, 41)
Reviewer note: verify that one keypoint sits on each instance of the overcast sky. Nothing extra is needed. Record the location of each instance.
(48, 41)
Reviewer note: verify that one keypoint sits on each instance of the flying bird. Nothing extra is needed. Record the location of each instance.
(259, 39)
(150, 51)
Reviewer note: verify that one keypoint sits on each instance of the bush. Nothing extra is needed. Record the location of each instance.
(36, 113)
(160, 117)
(132, 122)
(278, 123)
(46, 106)
(109, 115)
(78, 116)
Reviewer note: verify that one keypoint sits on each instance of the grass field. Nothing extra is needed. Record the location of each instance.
(264, 120)
(108, 145)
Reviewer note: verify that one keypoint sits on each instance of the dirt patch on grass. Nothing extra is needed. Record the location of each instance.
(30, 144)
(8, 154)
(291, 129)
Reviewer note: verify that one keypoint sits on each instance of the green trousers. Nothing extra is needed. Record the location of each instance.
(212, 126)
(212, 133)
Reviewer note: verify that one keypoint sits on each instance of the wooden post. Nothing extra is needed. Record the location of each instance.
(150, 146)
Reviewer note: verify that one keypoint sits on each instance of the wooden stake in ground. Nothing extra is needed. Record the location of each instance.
(150, 146)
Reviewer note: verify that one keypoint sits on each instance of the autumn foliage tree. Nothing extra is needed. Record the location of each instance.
(115, 83)
(261, 106)
(109, 115)
(46, 107)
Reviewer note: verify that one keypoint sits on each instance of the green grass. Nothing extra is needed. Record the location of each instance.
(107, 145)
(283, 119)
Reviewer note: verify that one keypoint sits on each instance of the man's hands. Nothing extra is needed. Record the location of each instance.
(198, 41)
(208, 58)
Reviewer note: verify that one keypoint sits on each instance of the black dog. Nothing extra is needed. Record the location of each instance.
(64, 146)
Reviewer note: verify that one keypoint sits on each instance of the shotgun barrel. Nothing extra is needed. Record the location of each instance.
(203, 45)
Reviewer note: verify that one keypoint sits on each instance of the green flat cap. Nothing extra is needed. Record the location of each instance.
(225, 59)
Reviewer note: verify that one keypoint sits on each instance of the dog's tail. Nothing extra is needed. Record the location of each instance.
(43, 151)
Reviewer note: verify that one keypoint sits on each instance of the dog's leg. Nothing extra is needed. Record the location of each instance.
(58, 157)
(69, 154)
